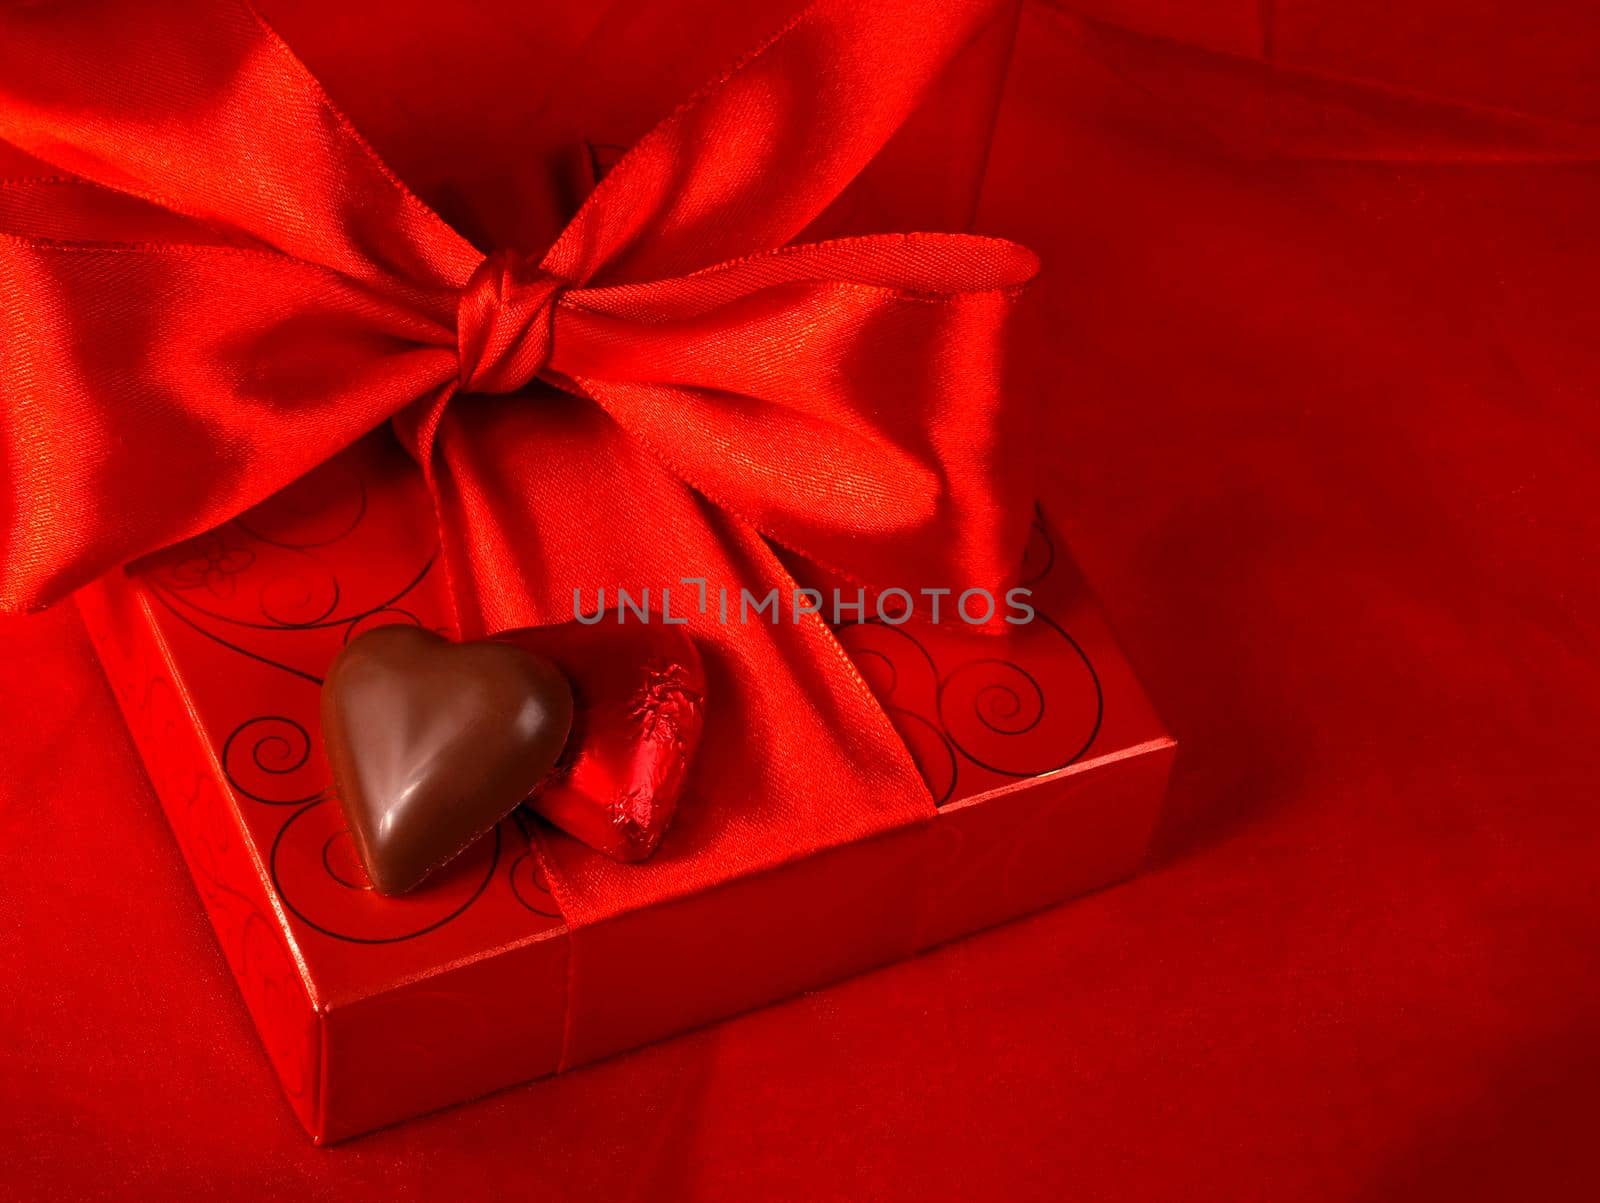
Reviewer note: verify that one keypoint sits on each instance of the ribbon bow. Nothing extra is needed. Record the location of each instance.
(219, 285)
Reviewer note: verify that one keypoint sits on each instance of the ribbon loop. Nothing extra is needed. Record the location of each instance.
(718, 387)
(505, 324)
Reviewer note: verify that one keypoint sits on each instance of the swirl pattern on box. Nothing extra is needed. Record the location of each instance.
(277, 590)
(267, 587)
(972, 718)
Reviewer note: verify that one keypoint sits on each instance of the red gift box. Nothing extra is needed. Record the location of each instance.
(1046, 761)
(1044, 764)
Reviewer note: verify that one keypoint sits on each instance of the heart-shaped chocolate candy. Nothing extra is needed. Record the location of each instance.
(432, 743)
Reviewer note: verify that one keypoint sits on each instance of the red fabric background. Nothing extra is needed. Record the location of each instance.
(1322, 398)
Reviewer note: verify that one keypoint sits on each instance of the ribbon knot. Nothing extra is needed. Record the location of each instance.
(504, 323)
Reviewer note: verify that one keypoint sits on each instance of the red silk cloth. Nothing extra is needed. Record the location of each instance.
(214, 284)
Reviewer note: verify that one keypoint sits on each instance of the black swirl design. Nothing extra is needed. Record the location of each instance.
(314, 511)
(212, 565)
(1039, 556)
(1006, 698)
(291, 595)
(998, 716)
(300, 600)
(281, 542)
(880, 653)
(931, 751)
(902, 675)
(989, 712)
(253, 587)
(262, 757)
(185, 615)
(386, 616)
(529, 886)
(316, 874)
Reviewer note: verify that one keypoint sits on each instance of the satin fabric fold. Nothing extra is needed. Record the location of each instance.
(226, 285)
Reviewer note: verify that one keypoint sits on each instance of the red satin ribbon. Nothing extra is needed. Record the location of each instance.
(220, 285)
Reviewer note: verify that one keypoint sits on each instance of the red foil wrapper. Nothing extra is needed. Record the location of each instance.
(1046, 761)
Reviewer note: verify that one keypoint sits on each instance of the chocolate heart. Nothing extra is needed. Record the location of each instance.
(640, 707)
(432, 743)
